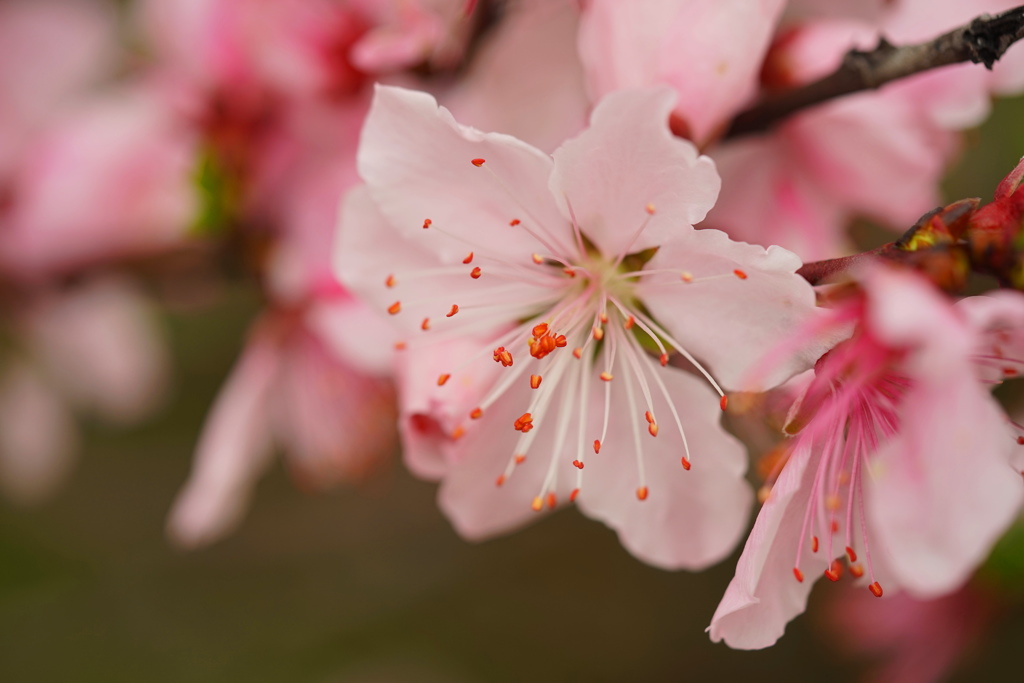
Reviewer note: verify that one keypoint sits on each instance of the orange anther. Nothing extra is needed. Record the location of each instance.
(538, 259)
(453, 311)
(832, 576)
(814, 544)
(468, 259)
(571, 272)
(520, 459)
(798, 574)
(686, 463)
(478, 162)
(686, 276)
(876, 589)
(578, 464)
(395, 307)
(425, 325)
(835, 571)
(535, 381)
(653, 428)
(630, 321)
(540, 330)
(724, 403)
(650, 209)
(502, 356)
(458, 433)
(648, 417)
(832, 502)
(476, 414)
(603, 318)
(427, 223)
(598, 334)
(561, 341)
(606, 376)
(641, 493)
(852, 555)
(524, 423)
(476, 273)
(500, 480)
(400, 346)
(597, 445)
(537, 504)
(442, 379)
(514, 222)
(552, 501)
(390, 282)
(740, 274)
(572, 496)
(578, 353)
(663, 359)
(857, 570)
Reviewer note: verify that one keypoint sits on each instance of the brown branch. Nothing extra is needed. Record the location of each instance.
(982, 41)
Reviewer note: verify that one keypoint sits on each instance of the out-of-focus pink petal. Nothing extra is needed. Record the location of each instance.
(611, 182)
(38, 438)
(763, 596)
(527, 80)
(710, 52)
(233, 450)
(113, 179)
(101, 346)
(999, 317)
(740, 316)
(418, 164)
(690, 519)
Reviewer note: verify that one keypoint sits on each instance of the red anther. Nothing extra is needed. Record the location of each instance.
(603, 318)
(478, 162)
(1020, 440)
(535, 381)
(598, 334)
(514, 222)
(835, 569)
(686, 463)
(606, 376)
(876, 589)
(1009, 372)
(427, 223)
(542, 346)
(740, 274)
(597, 445)
(577, 464)
(540, 330)
(395, 307)
(641, 493)
(724, 403)
(538, 259)
(835, 526)
(390, 282)
(856, 570)
(502, 356)
(814, 544)
(468, 259)
(441, 379)
(524, 423)
(500, 480)
(852, 555)
(425, 325)
(630, 321)
(520, 459)
(561, 341)
(453, 311)
(648, 417)
(572, 496)
(686, 276)
(476, 414)
(798, 574)
(653, 428)
(537, 504)
(552, 501)
(664, 359)
(578, 353)
(458, 433)
(476, 273)
(571, 272)
(650, 209)
(400, 346)
(832, 576)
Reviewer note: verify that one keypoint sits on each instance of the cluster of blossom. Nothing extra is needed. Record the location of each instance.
(532, 310)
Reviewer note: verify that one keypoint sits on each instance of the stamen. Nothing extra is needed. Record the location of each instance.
(524, 423)
(740, 274)
(535, 381)
(427, 223)
(514, 222)
(597, 445)
(453, 311)
(390, 282)
(478, 162)
(798, 574)
(394, 308)
(442, 379)
(468, 259)
(476, 414)
(606, 376)
(876, 589)
(476, 273)
(425, 325)
(502, 356)
(537, 504)
(641, 493)
(400, 346)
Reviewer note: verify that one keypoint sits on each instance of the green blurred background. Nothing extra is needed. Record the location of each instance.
(370, 583)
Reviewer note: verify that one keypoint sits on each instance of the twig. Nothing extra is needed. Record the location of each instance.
(982, 41)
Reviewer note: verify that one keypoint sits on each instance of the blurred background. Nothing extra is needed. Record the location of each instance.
(367, 581)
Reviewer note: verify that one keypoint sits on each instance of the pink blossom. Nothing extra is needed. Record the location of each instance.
(509, 273)
(710, 52)
(877, 470)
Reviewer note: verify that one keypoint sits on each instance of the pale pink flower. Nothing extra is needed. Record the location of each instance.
(526, 319)
(710, 51)
(901, 462)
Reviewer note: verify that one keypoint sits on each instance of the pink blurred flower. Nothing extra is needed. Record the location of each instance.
(878, 468)
(527, 287)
